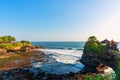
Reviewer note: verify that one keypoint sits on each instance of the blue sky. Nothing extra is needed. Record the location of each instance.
(60, 20)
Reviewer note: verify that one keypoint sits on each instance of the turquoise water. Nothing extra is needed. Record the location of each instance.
(63, 45)
(62, 57)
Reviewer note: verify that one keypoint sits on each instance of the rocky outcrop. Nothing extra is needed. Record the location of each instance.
(110, 45)
(91, 61)
(27, 48)
(109, 57)
(27, 74)
(40, 47)
(22, 49)
(3, 51)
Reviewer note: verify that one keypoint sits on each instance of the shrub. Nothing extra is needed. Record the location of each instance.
(94, 46)
(118, 72)
(25, 43)
(7, 39)
(14, 45)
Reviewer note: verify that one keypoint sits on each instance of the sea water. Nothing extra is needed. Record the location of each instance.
(58, 61)
(61, 45)
(62, 57)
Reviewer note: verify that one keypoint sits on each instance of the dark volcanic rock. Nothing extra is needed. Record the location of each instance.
(26, 74)
(109, 57)
(41, 76)
(40, 47)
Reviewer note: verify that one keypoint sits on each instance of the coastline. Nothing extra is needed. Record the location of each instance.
(46, 64)
(33, 69)
(47, 71)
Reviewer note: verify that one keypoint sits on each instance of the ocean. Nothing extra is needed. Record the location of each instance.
(61, 45)
(62, 57)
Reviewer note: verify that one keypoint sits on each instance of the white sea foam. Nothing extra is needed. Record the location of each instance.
(60, 61)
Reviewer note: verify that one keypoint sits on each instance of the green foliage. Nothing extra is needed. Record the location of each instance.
(118, 72)
(8, 42)
(7, 39)
(97, 77)
(92, 38)
(11, 46)
(25, 43)
(89, 77)
(94, 46)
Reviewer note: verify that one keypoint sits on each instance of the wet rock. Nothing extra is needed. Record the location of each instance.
(41, 76)
(40, 47)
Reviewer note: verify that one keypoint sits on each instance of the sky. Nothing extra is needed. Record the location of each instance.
(60, 20)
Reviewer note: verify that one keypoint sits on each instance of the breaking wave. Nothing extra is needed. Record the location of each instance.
(60, 61)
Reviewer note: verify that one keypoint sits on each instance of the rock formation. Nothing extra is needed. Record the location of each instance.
(40, 47)
(3, 51)
(95, 53)
(27, 48)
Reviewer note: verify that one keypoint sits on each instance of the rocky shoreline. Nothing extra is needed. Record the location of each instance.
(18, 64)
(29, 73)
(26, 74)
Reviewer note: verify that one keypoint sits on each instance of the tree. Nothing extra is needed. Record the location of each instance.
(25, 43)
(11, 39)
(7, 39)
(94, 46)
(92, 38)
(1, 40)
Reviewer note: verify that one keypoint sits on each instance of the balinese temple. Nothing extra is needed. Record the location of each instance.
(112, 45)
(105, 42)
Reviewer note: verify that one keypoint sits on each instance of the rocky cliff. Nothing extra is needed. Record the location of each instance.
(95, 53)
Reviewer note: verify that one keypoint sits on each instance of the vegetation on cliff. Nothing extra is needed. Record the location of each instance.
(7, 39)
(110, 57)
(9, 42)
(94, 46)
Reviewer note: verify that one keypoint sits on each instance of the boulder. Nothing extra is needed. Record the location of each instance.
(104, 70)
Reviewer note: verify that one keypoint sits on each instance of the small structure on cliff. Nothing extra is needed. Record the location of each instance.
(111, 45)
(95, 53)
